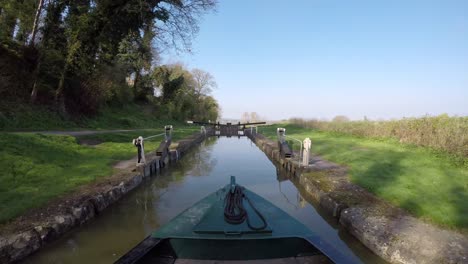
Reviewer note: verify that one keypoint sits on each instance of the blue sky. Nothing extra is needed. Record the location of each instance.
(322, 58)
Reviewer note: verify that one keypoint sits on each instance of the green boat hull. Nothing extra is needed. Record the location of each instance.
(201, 233)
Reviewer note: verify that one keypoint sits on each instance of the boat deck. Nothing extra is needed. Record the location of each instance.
(298, 260)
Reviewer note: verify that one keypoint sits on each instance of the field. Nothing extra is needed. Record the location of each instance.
(430, 184)
(442, 132)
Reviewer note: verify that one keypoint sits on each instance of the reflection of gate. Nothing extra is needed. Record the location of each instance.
(228, 129)
(300, 200)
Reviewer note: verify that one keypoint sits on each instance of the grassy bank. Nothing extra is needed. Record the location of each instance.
(36, 168)
(443, 132)
(24, 117)
(429, 184)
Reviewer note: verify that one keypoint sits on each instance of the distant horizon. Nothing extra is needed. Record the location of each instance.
(351, 119)
(383, 60)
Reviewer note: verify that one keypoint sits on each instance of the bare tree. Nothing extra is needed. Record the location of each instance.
(245, 117)
(340, 119)
(204, 82)
(254, 117)
(179, 22)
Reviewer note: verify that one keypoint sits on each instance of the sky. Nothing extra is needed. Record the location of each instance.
(322, 58)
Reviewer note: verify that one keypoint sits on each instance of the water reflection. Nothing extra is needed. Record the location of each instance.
(200, 165)
(204, 170)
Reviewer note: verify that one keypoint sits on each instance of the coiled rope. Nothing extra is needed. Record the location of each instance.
(234, 211)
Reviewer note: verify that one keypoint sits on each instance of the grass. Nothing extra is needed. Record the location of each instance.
(443, 132)
(429, 184)
(36, 168)
(24, 117)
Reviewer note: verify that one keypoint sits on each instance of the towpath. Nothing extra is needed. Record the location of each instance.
(76, 133)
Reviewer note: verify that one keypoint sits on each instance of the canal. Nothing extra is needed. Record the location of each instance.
(202, 171)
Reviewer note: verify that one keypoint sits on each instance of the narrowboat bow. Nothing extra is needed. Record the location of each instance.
(234, 225)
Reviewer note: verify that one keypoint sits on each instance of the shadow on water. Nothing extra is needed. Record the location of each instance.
(200, 172)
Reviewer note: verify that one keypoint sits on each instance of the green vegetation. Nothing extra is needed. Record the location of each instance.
(445, 133)
(73, 65)
(23, 117)
(36, 168)
(65, 62)
(429, 184)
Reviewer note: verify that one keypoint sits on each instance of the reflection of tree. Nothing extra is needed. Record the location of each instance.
(197, 162)
(201, 160)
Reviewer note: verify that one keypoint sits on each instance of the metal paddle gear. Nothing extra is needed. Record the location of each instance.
(234, 211)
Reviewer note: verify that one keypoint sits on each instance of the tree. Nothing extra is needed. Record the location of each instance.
(179, 98)
(340, 119)
(16, 19)
(204, 82)
(177, 22)
(254, 117)
(82, 41)
(36, 22)
(245, 117)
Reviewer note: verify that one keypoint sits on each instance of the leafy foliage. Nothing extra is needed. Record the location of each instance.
(91, 53)
(181, 97)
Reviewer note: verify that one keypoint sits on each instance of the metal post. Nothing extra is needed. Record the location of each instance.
(281, 133)
(168, 131)
(217, 129)
(300, 151)
(138, 143)
(306, 154)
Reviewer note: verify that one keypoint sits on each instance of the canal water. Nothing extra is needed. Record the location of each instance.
(200, 172)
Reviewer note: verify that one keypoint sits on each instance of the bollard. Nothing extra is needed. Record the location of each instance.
(203, 130)
(306, 153)
(281, 134)
(168, 131)
(283, 146)
(138, 143)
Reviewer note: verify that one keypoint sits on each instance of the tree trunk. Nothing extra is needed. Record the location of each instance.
(31, 43)
(135, 83)
(36, 22)
(33, 97)
(8, 24)
(59, 94)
